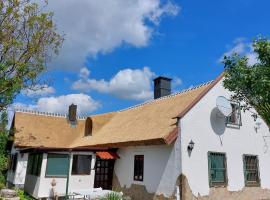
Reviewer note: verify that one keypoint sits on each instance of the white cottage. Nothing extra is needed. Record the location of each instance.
(177, 146)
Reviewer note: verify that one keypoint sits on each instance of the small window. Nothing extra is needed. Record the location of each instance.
(88, 127)
(217, 169)
(138, 167)
(235, 116)
(57, 165)
(81, 165)
(251, 170)
(34, 164)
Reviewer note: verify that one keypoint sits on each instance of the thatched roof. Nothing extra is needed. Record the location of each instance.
(153, 122)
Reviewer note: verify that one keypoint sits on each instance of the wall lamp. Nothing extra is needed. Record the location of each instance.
(190, 145)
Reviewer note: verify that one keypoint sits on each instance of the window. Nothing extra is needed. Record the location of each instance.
(34, 164)
(138, 167)
(81, 164)
(235, 117)
(57, 165)
(217, 169)
(13, 162)
(251, 171)
(88, 127)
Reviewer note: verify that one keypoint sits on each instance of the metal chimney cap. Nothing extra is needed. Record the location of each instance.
(162, 77)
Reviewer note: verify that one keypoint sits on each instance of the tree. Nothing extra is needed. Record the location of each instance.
(251, 83)
(28, 39)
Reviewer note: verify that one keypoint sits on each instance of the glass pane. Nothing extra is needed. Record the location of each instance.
(57, 165)
(81, 164)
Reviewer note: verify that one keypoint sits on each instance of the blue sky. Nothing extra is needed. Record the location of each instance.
(113, 51)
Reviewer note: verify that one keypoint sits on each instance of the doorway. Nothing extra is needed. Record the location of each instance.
(104, 173)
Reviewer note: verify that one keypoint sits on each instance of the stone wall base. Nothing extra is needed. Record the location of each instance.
(138, 192)
(222, 193)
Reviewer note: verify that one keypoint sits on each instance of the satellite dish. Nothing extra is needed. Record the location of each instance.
(224, 106)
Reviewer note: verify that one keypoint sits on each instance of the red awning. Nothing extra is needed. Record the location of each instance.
(107, 155)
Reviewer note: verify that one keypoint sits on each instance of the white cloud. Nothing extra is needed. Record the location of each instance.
(95, 26)
(241, 47)
(176, 82)
(85, 104)
(39, 90)
(126, 84)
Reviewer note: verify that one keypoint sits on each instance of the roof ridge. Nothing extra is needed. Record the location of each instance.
(99, 114)
(36, 112)
(166, 97)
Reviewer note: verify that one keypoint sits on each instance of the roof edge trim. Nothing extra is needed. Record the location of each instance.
(203, 93)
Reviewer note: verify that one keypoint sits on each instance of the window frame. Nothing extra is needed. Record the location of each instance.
(238, 115)
(251, 183)
(217, 184)
(88, 127)
(81, 174)
(57, 176)
(36, 162)
(138, 172)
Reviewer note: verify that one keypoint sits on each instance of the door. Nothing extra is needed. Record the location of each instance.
(104, 173)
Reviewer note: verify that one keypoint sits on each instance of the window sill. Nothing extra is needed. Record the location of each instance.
(252, 185)
(219, 185)
(80, 174)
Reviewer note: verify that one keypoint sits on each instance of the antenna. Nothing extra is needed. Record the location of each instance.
(224, 105)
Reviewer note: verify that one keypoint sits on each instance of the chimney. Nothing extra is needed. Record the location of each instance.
(162, 87)
(72, 113)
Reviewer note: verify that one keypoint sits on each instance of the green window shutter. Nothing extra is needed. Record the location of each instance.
(217, 169)
(30, 164)
(245, 169)
(35, 166)
(39, 163)
(57, 165)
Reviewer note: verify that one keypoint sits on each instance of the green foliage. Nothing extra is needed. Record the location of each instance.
(3, 153)
(23, 195)
(28, 39)
(112, 196)
(251, 84)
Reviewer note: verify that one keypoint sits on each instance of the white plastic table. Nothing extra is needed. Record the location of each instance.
(93, 193)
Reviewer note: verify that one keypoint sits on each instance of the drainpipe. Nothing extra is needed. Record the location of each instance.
(177, 193)
(67, 184)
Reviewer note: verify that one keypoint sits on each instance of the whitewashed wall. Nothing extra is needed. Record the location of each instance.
(209, 133)
(76, 182)
(161, 167)
(17, 178)
(20, 173)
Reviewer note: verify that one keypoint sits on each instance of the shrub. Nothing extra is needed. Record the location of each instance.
(2, 185)
(23, 195)
(112, 196)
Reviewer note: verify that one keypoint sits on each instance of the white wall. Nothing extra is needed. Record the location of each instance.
(209, 133)
(18, 176)
(20, 173)
(76, 182)
(161, 167)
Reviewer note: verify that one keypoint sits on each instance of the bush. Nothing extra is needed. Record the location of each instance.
(23, 195)
(112, 196)
(2, 185)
